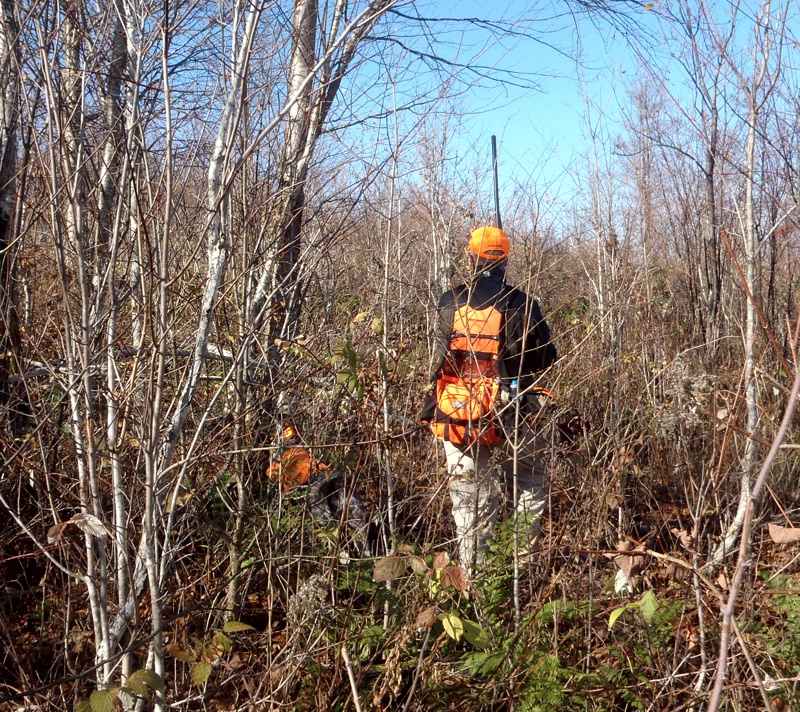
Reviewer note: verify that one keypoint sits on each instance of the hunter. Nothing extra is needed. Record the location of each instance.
(492, 342)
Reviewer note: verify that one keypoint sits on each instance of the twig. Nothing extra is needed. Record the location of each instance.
(417, 672)
(751, 663)
(351, 676)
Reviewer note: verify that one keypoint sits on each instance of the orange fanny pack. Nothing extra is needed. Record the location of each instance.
(465, 412)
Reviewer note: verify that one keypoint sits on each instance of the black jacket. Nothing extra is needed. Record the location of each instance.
(526, 347)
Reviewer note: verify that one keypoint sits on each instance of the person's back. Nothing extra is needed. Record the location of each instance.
(526, 349)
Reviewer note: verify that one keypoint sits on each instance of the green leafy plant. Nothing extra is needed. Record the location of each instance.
(203, 655)
(138, 686)
(440, 580)
(781, 629)
(348, 360)
(647, 604)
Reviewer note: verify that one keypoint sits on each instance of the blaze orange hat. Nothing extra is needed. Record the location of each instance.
(490, 243)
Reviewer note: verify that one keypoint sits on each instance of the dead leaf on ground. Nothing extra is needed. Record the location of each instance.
(630, 565)
(689, 634)
(722, 418)
(783, 535)
(685, 538)
(675, 572)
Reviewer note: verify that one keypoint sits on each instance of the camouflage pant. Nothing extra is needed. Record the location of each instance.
(482, 482)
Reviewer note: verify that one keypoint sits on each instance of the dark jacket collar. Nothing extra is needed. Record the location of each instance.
(490, 274)
(491, 269)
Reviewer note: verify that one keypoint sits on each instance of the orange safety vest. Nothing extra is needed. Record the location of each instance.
(468, 383)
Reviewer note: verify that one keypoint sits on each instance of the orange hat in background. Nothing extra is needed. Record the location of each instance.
(489, 243)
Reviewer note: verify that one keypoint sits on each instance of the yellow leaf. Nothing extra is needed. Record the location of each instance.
(453, 625)
(236, 627)
(180, 653)
(476, 635)
(200, 673)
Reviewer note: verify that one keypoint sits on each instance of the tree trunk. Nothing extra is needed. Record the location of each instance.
(9, 322)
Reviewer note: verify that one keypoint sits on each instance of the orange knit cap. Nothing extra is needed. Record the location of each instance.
(490, 243)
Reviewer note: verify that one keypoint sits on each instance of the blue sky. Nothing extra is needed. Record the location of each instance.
(552, 121)
(576, 72)
(584, 69)
(577, 65)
